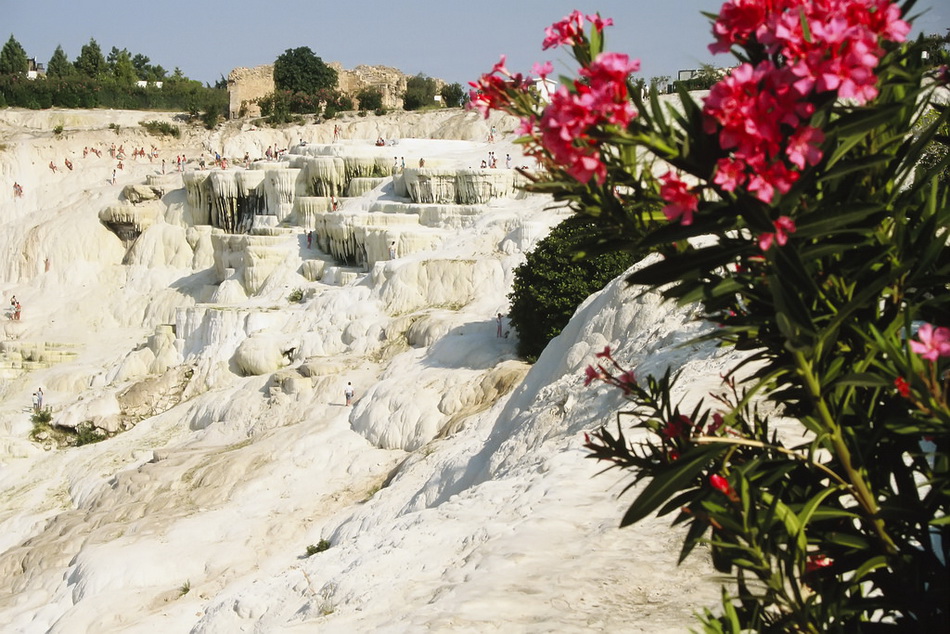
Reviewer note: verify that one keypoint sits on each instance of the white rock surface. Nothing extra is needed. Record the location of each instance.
(455, 492)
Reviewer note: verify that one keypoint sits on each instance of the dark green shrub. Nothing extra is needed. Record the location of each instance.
(370, 99)
(452, 95)
(551, 284)
(420, 93)
(57, 130)
(321, 546)
(161, 128)
(86, 434)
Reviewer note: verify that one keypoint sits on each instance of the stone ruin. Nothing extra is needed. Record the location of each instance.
(247, 85)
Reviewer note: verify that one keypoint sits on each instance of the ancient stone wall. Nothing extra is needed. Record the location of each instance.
(246, 86)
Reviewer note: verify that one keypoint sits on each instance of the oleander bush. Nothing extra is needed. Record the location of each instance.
(803, 210)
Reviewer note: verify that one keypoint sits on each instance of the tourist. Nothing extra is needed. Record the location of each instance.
(402, 163)
(392, 250)
(348, 393)
(69, 164)
(17, 190)
(52, 166)
(309, 239)
(39, 398)
(36, 403)
(499, 322)
(422, 162)
(16, 311)
(508, 161)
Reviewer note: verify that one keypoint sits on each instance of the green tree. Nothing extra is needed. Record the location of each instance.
(370, 99)
(452, 95)
(121, 66)
(59, 65)
(13, 58)
(300, 70)
(552, 283)
(420, 92)
(90, 62)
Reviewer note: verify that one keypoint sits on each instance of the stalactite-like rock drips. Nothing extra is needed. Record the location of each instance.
(199, 200)
(326, 175)
(127, 221)
(281, 186)
(307, 208)
(223, 192)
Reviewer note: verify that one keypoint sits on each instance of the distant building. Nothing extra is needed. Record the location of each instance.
(546, 88)
(35, 69)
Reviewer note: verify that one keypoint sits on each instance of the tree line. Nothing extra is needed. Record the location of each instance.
(94, 80)
(304, 84)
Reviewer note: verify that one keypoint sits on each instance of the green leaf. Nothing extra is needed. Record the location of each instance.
(871, 564)
(664, 485)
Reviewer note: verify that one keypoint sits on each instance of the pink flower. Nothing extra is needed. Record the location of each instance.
(542, 70)
(902, 386)
(817, 562)
(627, 380)
(783, 226)
(604, 354)
(718, 422)
(678, 427)
(730, 173)
(681, 202)
(722, 485)
(598, 22)
(934, 342)
(804, 147)
(567, 32)
(592, 374)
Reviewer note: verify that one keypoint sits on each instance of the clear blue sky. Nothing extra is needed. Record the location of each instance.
(455, 40)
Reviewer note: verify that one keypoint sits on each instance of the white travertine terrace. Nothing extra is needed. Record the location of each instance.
(217, 346)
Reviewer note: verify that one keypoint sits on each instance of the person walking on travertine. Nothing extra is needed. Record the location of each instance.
(348, 393)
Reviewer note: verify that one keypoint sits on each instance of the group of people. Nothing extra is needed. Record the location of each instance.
(17, 190)
(273, 152)
(492, 161)
(15, 308)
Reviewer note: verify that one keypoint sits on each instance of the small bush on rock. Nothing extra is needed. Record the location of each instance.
(161, 128)
(320, 546)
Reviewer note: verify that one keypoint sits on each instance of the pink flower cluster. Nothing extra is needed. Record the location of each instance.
(570, 30)
(491, 91)
(599, 97)
(933, 342)
(681, 202)
(624, 379)
(783, 226)
(815, 47)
